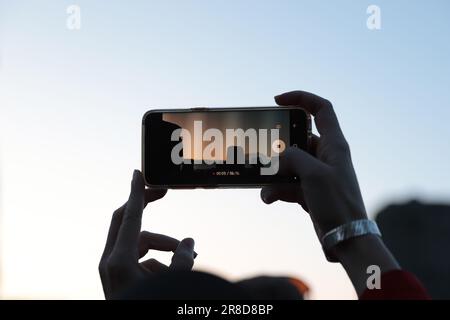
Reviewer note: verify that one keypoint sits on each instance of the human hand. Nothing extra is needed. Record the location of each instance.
(328, 187)
(119, 265)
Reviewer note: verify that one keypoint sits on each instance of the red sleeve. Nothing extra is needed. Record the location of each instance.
(397, 285)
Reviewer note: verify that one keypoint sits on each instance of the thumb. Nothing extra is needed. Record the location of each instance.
(288, 192)
(183, 257)
(293, 162)
(269, 194)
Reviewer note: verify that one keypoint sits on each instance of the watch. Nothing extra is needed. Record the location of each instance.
(357, 228)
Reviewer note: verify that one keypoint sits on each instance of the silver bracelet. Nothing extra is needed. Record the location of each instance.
(347, 231)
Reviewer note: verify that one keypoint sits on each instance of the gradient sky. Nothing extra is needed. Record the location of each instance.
(71, 104)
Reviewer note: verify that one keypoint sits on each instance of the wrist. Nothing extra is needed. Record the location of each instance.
(347, 232)
(365, 248)
(357, 254)
(355, 247)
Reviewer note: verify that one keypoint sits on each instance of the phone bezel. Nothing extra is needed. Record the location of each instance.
(208, 109)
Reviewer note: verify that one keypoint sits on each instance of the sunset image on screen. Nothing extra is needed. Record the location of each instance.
(261, 123)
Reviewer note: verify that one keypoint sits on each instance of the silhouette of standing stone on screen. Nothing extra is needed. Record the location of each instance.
(160, 155)
(235, 155)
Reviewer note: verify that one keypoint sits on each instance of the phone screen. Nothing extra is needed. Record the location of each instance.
(220, 147)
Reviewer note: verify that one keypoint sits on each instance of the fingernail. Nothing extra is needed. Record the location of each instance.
(135, 176)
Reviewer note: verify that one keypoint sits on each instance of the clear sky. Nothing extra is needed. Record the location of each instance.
(71, 103)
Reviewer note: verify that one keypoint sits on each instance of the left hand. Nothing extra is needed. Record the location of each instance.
(119, 265)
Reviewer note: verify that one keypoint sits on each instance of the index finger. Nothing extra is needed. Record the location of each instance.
(155, 241)
(128, 235)
(324, 116)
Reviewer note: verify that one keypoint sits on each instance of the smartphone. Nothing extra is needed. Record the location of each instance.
(220, 147)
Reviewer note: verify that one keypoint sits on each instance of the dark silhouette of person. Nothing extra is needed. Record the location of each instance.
(418, 235)
(194, 285)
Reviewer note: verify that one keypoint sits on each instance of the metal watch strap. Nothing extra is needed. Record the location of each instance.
(347, 231)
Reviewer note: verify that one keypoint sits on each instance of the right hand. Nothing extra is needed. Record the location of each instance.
(329, 190)
(328, 187)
